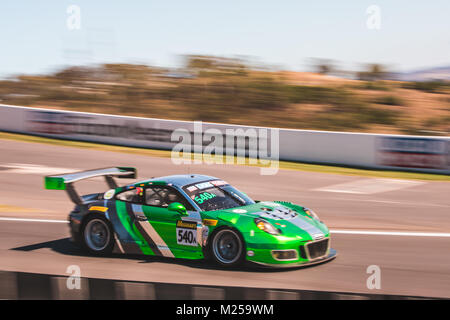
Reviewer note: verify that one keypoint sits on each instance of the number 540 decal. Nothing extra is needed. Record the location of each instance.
(203, 197)
(186, 233)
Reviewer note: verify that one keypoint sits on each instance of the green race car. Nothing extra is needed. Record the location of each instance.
(191, 217)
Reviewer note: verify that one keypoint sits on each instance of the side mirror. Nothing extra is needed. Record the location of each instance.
(177, 207)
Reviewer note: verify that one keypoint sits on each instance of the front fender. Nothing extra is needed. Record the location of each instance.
(229, 217)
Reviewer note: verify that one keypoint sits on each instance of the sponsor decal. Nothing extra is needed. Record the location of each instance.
(139, 191)
(218, 183)
(204, 185)
(278, 213)
(186, 233)
(239, 211)
(109, 194)
(186, 224)
(98, 208)
(210, 222)
(191, 188)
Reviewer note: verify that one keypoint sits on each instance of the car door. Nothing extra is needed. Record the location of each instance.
(125, 219)
(172, 234)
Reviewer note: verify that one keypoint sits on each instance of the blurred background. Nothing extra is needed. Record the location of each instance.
(357, 66)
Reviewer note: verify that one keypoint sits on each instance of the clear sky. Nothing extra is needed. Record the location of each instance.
(35, 37)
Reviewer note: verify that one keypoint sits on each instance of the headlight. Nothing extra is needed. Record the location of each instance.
(266, 226)
(311, 213)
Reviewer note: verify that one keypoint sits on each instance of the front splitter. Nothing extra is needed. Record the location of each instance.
(331, 255)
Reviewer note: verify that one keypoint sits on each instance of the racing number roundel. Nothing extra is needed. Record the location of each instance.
(186, 233)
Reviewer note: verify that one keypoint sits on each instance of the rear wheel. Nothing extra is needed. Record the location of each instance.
(97, 235)
(227, 248)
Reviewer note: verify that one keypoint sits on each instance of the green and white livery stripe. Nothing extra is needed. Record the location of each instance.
(285, 213)
(125, 221)
(151, 232)
(313, 231)
(119, 245)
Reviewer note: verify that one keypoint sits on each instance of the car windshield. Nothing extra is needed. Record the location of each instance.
(216, 195)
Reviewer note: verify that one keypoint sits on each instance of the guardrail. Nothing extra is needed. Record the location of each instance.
(397, 152)
(33, 286)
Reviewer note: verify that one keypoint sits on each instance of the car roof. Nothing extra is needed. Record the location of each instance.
(181, 180)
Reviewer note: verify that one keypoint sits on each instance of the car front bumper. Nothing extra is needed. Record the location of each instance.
(290, 252)
(288, 264)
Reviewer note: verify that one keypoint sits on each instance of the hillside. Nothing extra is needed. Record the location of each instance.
(226, 90)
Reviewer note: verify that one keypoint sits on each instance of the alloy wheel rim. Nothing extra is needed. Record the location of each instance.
(97, 234)
(227, 246)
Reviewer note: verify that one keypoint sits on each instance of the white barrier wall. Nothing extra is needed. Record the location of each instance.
(418, 153)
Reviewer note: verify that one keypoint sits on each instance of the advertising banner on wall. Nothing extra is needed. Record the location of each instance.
(378, 151)
(411, 152)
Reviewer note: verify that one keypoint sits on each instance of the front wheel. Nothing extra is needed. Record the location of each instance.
(97, 236)
(227, 248)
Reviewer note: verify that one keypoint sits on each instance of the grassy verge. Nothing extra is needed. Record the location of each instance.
(283, 164)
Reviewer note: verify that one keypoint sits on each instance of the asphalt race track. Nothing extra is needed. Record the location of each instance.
(401, 226)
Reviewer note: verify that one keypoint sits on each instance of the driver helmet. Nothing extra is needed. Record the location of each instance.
(171, 197)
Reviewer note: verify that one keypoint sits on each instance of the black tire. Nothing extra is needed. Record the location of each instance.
(227, 248)
(97, 235)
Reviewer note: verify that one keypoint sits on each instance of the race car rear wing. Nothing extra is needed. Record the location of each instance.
(65, 181)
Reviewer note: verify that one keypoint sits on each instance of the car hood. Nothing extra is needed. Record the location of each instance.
(293, 220)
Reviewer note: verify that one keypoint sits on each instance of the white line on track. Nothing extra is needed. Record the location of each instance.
(392, 233)
(370, 186)
(333, 231)
(32, 220)
(27, 168)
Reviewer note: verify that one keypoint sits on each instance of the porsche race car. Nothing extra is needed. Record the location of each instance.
(191, 217)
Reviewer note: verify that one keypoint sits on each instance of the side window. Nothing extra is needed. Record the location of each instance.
(163, 196)
(155, 196)
(133, 195)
